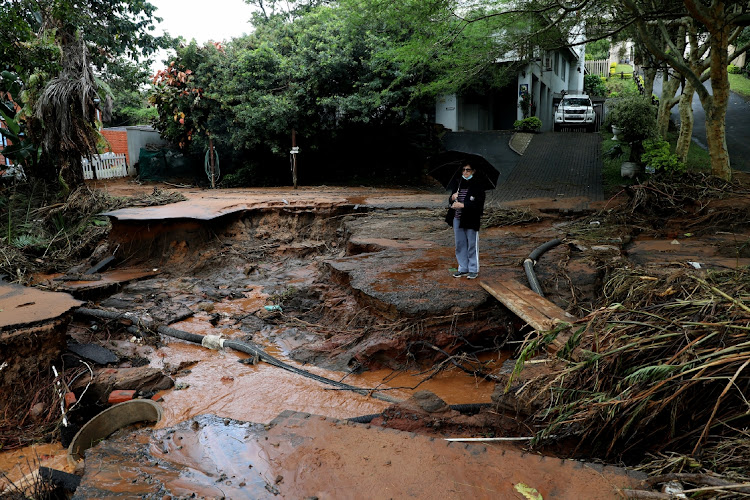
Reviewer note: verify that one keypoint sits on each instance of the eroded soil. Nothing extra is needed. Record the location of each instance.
(362, 282)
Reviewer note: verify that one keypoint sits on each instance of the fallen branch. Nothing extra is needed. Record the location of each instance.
(468, 440)
(693, 478)
(647, 494)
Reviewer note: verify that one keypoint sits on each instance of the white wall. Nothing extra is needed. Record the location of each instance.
(549, 83)
(446, 112)
(138, 137)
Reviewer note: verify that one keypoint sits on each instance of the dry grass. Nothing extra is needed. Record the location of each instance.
(663, 368)
(41, 235)
(498, 217)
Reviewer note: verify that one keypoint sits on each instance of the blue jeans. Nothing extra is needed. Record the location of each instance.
(467, 248)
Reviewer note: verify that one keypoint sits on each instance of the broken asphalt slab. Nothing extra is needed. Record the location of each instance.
(299, 455)
(33, 325)
(26, 306)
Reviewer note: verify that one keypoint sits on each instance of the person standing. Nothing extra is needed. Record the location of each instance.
(466, 209)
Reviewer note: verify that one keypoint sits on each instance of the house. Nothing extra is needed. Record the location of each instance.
(542, 75)
(544, 79)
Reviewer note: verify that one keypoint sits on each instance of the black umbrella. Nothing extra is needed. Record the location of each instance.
(446, 168)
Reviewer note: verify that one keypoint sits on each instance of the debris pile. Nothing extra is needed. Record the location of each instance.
(694, 202)
(43, 235)
(663, 368)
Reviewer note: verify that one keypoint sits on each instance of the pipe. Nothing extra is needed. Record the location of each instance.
(538, 251)
(528, 266)
(215, 342)
(530, 261)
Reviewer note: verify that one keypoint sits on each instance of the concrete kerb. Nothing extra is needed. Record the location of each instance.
(519, 141)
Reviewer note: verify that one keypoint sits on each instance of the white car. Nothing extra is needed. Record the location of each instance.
(575, 111)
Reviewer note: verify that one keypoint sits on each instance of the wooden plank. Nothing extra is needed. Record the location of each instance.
(538, 312)
(545, 306)
(518, 306)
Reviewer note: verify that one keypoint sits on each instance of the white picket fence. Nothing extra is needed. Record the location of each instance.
(107, 166)
(600, 67)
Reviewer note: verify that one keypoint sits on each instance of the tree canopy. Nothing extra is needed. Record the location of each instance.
(347, 76)
(56, 48)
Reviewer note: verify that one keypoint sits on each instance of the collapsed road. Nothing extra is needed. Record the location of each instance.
(351, 286)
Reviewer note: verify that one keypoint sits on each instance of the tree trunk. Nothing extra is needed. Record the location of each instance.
(717, 139)
(649, 76)
(666, 103)
(715, 106)
(71, 172)
(686, 122)
(45, 170)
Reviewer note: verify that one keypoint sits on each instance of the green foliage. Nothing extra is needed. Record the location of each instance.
(123, 91)
(27, 241)
(181, 102)
(740, 84)
(530, 124)
(617, 87)
(594, 85)
(733, 70)
(621, 71)
(245, 176)
(634, 115)
(116, 27)
(55, 47)
(597, 50)
(21, 149)
(525, 104)
(658, 155)
(327, 74)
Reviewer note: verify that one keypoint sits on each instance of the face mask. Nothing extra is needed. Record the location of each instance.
(469, 177)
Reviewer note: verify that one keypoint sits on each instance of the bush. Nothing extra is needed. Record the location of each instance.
(734, 70)
(530, 124)
(615, 87)
(659, 156)
(634, 115)
(593, 85)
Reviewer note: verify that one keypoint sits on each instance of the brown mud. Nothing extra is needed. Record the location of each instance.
(362, 281)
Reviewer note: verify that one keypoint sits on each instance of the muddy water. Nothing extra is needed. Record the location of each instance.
(217, 383)
(19, 463)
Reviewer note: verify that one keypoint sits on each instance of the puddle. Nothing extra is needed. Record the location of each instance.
(254, 300)
(18, 463)
(219, 384)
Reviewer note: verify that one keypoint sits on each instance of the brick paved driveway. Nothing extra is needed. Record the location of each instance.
(555, 165)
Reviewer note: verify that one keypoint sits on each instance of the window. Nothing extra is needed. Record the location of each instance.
(557, 62)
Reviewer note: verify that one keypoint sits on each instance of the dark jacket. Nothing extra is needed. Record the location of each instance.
(473, 205)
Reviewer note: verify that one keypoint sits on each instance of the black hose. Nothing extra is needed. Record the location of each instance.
(238, 346)
(256, 351)
(253, 350)
(470, 408)
(528, 264)
(538, 251)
